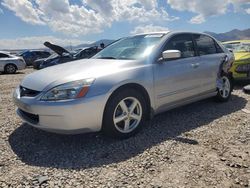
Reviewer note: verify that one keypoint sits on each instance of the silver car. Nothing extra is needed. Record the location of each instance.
(126, 83)
(10, 63)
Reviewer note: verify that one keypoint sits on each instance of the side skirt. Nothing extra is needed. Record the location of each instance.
(185, 101)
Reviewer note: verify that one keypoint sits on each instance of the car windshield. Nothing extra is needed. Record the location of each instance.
(78, 53)
(22, 53)
(136, 47)
(238, 47)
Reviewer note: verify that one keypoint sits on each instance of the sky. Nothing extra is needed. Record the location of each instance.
(28, 23)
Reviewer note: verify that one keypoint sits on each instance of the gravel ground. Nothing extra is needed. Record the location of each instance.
(205, 144)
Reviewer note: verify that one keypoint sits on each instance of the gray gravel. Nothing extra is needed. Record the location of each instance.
(205, 144)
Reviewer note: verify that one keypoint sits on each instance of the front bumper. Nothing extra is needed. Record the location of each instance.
(21, 66)
(240, 75)
(66, 117)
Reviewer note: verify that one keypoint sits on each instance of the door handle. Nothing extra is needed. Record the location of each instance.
(195, 65)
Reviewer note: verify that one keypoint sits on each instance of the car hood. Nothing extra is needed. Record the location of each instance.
(57, 49)
(241, 55)
(77, 70)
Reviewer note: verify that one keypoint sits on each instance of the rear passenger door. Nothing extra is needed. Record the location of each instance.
(211, 56)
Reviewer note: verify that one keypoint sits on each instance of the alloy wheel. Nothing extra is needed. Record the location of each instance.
(10, 69)
(226, 87)
(127, 115)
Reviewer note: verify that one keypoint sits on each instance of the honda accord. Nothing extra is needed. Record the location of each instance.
(126, 83)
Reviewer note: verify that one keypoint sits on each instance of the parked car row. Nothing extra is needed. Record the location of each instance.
(40, 59)
(61, 55)
(116, 89)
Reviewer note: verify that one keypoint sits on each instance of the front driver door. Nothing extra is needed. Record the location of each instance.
(177, 79)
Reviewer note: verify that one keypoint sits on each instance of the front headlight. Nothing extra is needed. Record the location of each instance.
(71, 90)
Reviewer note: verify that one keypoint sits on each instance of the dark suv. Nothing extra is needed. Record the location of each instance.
(31, 55)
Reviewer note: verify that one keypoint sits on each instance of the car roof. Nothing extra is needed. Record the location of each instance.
(153, 33)
(236, 41)
(4, 52)
(172, 32)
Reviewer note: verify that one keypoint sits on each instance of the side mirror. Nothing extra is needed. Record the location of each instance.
(230, 50)
(171, 54)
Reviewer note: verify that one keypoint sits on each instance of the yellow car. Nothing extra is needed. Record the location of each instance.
(241, 66)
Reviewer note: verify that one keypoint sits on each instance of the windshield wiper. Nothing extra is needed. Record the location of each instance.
(106, 57)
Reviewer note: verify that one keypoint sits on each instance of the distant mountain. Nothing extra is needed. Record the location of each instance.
(231, 35)
(97, 43)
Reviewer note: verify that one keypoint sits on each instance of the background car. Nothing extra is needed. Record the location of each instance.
(241, 66)
(10, 64)
(31, 55)
(63, 56)
(126, 83)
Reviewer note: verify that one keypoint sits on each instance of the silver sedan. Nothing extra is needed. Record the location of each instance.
(126, 83)
(10, 63)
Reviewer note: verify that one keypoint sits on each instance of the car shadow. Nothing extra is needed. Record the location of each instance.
(39, 148)
(17, 73)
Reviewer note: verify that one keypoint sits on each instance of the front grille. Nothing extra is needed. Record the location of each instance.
(25, 92)
(32, 118)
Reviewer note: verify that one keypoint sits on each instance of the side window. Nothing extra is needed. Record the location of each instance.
(3, 55)
(205, 45)
(218, 48)
(183, 43)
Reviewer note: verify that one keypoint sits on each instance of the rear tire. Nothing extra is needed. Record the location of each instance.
(10, 69)
(124, 114)
(224, 92)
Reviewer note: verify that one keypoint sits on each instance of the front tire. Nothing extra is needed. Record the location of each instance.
(124, 114)
(225, 90)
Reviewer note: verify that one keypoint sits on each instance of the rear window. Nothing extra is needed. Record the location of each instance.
(205, 45)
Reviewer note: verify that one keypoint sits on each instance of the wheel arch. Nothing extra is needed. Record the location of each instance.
(138, 87)
(225, 70)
